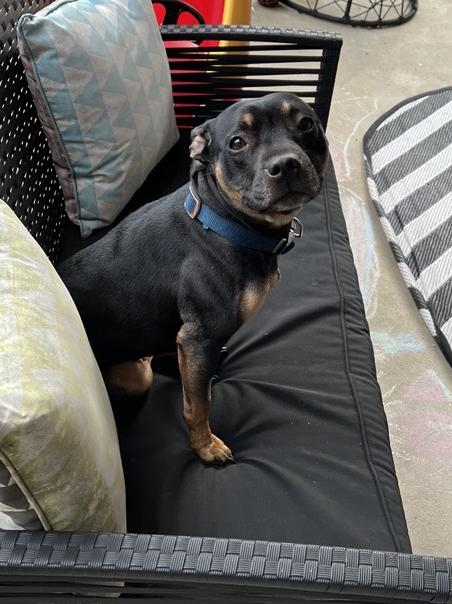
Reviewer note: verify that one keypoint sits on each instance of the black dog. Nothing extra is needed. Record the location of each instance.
(141, 292)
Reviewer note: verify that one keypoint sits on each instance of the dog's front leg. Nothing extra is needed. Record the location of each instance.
(197, 358)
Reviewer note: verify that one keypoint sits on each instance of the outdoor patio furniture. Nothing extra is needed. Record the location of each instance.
(311, 509)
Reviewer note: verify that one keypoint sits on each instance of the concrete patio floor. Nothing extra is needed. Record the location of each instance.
(378, 69)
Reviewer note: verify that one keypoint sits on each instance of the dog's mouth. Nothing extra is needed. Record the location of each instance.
(292, 210)
(283, 198)
(284, 205)
(276, 203)
(276, 210)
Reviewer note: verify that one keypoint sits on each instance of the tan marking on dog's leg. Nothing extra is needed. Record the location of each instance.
(253, 297)
(196, 397)
(133, 378)
(250, 302)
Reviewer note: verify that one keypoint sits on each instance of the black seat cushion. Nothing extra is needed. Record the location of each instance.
(298, 403)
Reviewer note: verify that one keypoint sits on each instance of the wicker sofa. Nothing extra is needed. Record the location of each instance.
(259, 561)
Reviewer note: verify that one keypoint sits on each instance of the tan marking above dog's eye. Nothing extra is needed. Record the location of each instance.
(247, 119)
(285, 106)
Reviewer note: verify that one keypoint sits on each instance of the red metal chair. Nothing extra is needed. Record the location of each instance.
(213, 12)
(189, 13)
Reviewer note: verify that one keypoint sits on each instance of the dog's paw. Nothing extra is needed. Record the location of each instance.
(215, 452)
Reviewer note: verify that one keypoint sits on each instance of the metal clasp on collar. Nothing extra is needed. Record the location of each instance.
(296, 229)
(194, 213)
(286, 244)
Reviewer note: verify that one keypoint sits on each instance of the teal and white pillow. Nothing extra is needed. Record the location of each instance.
(99, 76)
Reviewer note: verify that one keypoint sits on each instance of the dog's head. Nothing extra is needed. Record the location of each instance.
(268, 155)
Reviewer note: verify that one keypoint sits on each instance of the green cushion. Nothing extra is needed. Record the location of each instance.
(58, 438)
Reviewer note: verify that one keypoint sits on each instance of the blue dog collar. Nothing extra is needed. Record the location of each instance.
(238, 233)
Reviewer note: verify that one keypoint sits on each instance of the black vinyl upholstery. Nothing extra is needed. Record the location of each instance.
(298, 403)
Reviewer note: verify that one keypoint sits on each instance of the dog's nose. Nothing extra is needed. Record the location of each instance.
(285, 165)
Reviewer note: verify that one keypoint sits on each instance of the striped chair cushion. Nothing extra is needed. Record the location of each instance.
(16, 513)
(408, 157)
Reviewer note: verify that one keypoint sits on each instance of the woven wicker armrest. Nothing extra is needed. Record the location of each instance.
(160, 566)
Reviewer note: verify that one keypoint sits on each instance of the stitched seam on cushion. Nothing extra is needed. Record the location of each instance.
(345, 339)
(50, 115)
(26, 492)
(55, 6)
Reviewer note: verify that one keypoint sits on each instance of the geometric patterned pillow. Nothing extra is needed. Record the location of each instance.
(99, 77)
(58, 439)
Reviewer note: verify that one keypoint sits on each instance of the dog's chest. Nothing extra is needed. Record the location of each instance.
(254, 295)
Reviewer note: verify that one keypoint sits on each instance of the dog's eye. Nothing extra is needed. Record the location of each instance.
(305, 124)
(236, 143)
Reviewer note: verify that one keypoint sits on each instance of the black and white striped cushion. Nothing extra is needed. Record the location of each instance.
(15, 511)
(408, 157)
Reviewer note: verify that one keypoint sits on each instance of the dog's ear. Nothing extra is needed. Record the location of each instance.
(200, 141)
